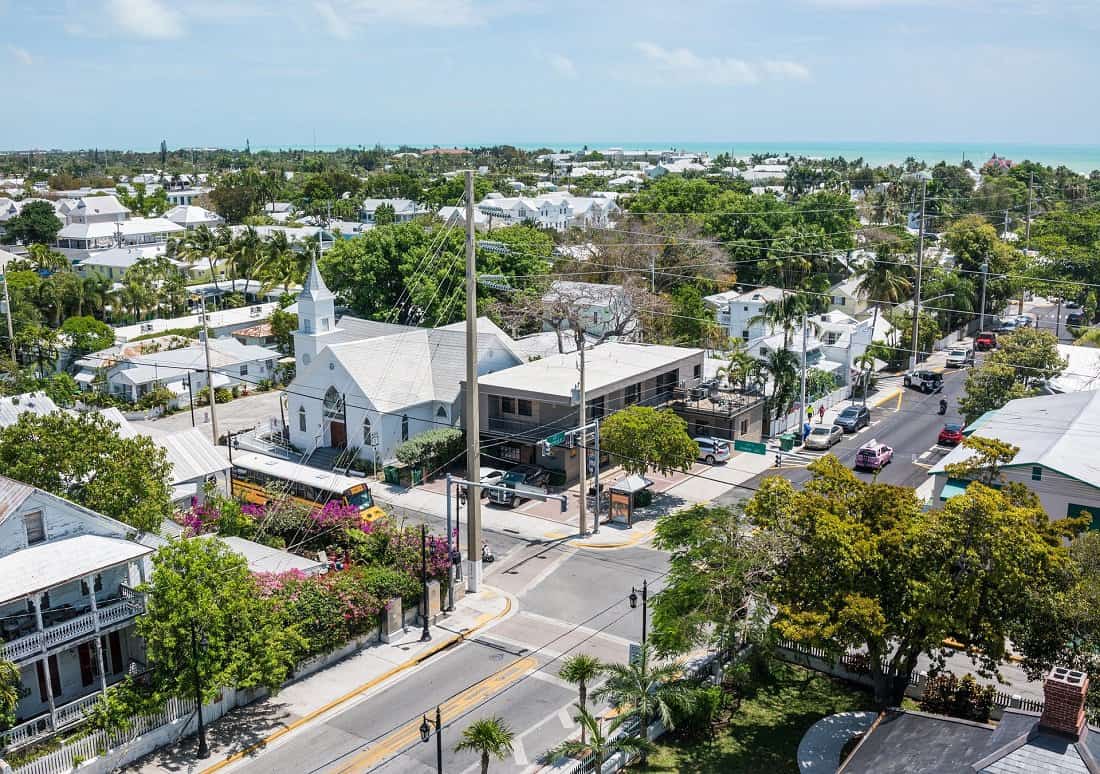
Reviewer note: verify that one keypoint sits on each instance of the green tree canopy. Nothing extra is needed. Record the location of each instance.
(200, 588)
(640, 438)
(82, 457)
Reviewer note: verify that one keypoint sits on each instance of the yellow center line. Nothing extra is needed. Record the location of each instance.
(409, 734)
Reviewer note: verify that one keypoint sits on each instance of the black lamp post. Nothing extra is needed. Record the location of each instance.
(196, 640)
(425, 634)
(426, 735)
(634, 605)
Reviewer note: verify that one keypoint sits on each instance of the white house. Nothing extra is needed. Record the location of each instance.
(67, 606)
(373, 386)
(1053, 434)
(404, 210)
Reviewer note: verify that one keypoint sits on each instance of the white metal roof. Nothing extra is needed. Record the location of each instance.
(53, 563)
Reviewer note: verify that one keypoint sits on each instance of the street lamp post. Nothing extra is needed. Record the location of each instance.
(633, 605)
(425, 634)
(426, 735)
(203, 751)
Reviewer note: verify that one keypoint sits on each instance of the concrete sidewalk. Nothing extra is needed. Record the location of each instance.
(267, 722)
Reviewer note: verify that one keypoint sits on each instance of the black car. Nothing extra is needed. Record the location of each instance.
(1075, 318)
(853, 418)
(520, 479)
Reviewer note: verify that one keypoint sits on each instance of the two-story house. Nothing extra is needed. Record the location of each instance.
(530, 402)
(67, 606)
(1053, 434)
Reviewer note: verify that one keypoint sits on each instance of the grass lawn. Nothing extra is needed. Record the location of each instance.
(765, 733)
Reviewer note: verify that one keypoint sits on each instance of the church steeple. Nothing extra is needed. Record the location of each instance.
(316, 317)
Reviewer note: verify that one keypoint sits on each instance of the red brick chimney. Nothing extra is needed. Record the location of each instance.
(1064, 707)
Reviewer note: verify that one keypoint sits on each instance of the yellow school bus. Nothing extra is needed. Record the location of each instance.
(254, 475)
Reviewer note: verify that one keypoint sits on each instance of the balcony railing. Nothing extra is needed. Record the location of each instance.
(129, 604)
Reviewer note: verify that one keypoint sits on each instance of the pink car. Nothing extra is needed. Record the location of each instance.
(873, 456)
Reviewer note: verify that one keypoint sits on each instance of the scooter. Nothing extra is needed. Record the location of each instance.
(943, 406)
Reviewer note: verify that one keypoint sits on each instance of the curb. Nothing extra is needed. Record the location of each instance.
(412, 662)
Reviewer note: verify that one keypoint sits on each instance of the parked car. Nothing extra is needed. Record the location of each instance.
(1075, 318)
(873, 456)
(822, 437)
(853, 418)
(986, 340)
(957, 357)
(522, 480)
(925, 380)
(951, 435)
(712, 450)
(490, 476)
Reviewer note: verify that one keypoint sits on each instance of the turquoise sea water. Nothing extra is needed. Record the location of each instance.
(1080, 158)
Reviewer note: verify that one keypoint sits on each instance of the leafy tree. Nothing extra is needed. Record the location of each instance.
(987, 388)
(35, 223)
(581, 670)
(202, 591)
(869, 569)
(490, 737)
(87, 334)
(1032, 353)
(719, 569)
(10, 684)
(81, 457)
(642, 437)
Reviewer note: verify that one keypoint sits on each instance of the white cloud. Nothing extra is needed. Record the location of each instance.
(146, 18)
(22, 55)
(563, 65)
(684, 64)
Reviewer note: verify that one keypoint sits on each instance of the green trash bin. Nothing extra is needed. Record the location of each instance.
(786, 442)
(391, 474)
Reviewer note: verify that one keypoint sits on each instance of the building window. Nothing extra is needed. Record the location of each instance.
(302, 418)
(404, 427)
(367, 431)
(36, 527)
(1036, 473)
(507, 405)
(244, 369)
(523, 407)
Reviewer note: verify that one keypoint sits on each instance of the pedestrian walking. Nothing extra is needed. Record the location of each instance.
(821, 413)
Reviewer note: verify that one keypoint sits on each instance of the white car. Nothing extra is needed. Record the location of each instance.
(712, 450)
(957, 357)
(822, 437)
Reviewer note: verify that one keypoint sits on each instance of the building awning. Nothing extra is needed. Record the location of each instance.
(953, 487)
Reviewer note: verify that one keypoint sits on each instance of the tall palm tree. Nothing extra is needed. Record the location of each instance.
(581, 670)
(489, 737)
(883, 281)
(642, 688)
(602, 740)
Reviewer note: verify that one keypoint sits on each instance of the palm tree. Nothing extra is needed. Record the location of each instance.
(490, 737)
(581, 670)
(883, 281)
(642, 688)
(603, 741)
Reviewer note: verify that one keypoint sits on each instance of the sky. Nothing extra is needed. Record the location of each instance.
(129, 73)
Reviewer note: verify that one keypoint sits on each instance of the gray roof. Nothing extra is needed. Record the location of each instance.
(1054, 431)
(905, 742)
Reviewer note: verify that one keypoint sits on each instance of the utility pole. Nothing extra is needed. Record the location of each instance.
(473, 425)
(7, 313)
(920, 269)
(1027, 234)
(584, 446)
(209, 373)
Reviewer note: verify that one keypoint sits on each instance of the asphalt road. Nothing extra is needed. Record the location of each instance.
(570, 601)
(909, 424)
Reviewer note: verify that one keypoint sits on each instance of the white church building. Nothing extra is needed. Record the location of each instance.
(372, 386)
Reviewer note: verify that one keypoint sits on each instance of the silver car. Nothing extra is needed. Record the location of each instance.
(822, 437)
